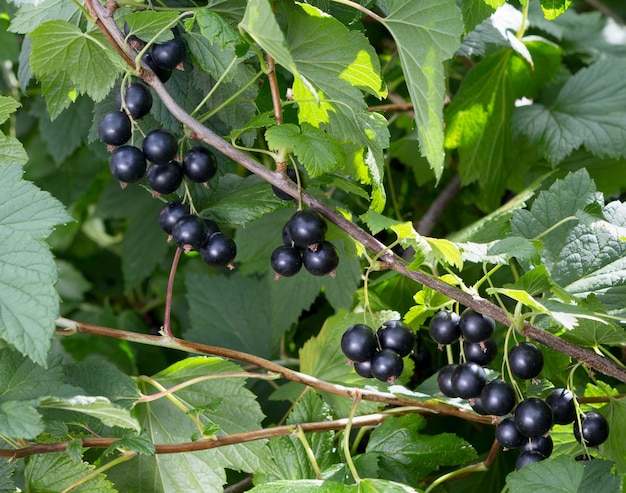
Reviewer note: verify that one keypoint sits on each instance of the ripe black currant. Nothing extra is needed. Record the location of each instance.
(358, 343)
(508, 435)
(444, 327)
(544, 445)
(533, 417)
(164, 178)
(444, 380)
(321, 261)
(287, 236)
(127, 164)
(561, 401)
(115, 128)
(306, 228)
(162, 74)
(396, 335)
(189, 232)
(169, 54)
(595, 428)
(498, 397)
(482, 352)
(170, 213)
(526, 458)
(211, 227)
(387, 365)
(160, 146)
(219, 250)
(137, 98)
(477, 405)
(468, 380)
(286, 261)
(525, 360)
(199, 164)
(291, 175)
(363, 368)
(476, 327)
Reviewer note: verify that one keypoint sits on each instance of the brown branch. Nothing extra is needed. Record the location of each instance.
(475, 302)
(274, 90)
(426, 224)
(392, 108)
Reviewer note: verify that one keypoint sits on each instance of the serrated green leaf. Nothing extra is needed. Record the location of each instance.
(148, 24)
(588, 111)
(11, 151)
(210, 57)
(7, 469)
(7, 107)
(57, 471)
(215, 29)
(131, 441)
(534, 281)
(406, 455)
(554, 8)
(302, 486)
(426, 33)
(58, 92)
(446, 252)
(613, 448)
(90, 62)
(593, 333)
(476, 11)
(377, 222)
(28, 17)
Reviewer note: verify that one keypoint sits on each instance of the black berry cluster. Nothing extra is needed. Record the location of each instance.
(378, 354)
(304, 245)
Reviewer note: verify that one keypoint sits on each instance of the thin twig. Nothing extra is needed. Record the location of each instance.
(428, 221)
(167, 328)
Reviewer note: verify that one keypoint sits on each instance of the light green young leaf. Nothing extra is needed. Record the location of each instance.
(7, 107)
(302, 486)
(28, 17)
(377, 222)
(147, 24)
(215, 29)
(554, 8)
(97, 407)
(426, 33)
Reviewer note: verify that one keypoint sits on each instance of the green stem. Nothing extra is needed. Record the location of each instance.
(554, 226)
(520, 32)
(361, 8)
(85, 12)
(480, 467)
(100, 470)
(309, 452)
(214, 88)
(346, 437)
(209, 114)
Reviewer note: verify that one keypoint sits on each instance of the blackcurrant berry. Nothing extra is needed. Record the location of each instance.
(358, 343)
(286, 261)
(444, 380)
(396, 335)
(387, 365)
(189, 232)
(137, 98)
(199, 164)
(291, 175)
(476, 327)
(482, 352)
(132, 37)
(444, 327)
(508, 435)
(561, 401)
(287, 236)
(162, 74)
(525, 360)
(127, 164)
(321, 261)
(477, 405)
(595, 428)
(160, 146)
(165, 178)
(544, 445)
(498, 397)
(533, 417)
(115, 128)
(526, 458)
(211, 227)
(468, 380)
(307, 228)
(363, 368)
(169, 54)
(219, 250)
(170, 213)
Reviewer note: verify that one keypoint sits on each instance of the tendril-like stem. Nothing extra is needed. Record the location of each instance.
(346, 437)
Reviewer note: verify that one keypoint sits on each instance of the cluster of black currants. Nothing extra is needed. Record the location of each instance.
(304, 244)
(378, 354)
(191, 232)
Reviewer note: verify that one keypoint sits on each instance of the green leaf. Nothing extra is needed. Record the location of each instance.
(90, 62)
(318, 152)
(302, 486)
(57, 471)
(406, 455)
(426, 33)
(554, 8)
(476, 11)
(58, 92)
(377, 222)
(7, 107)
(593, 333)
(28, 17)
(588, 111)
(147, 24)
(215, 29)
(97, 407)
(11, 151)
(564, 474)
(7, 469)
(613, 448)
(238, 411)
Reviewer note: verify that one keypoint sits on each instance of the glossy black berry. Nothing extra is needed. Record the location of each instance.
(526, 458)
(595, 428)
(482, 353)
(137, 98)
(525, 360)
(199, 164)
(170, 213)
(287, 236)
(219, 250)
(533, 417)
(162, 74)
(115, 128)
(321, 261)
(544, 445)
(444, 380)
(477, 405)
(468, 380)
(508, 435)
(306, 228)
(476, 327)
(561, 401)
(444, 327)
(165, 178)
(160, 146)
(169, 54)
(387, 365)
(189, 232)
(127, 164)
(211, 227)
(291, 175)
(132, 37)
(358, 343)
(498, 397)
(363, 369)
(396, 335)
(286, 261)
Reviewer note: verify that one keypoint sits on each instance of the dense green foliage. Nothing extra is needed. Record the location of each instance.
(482, 141)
